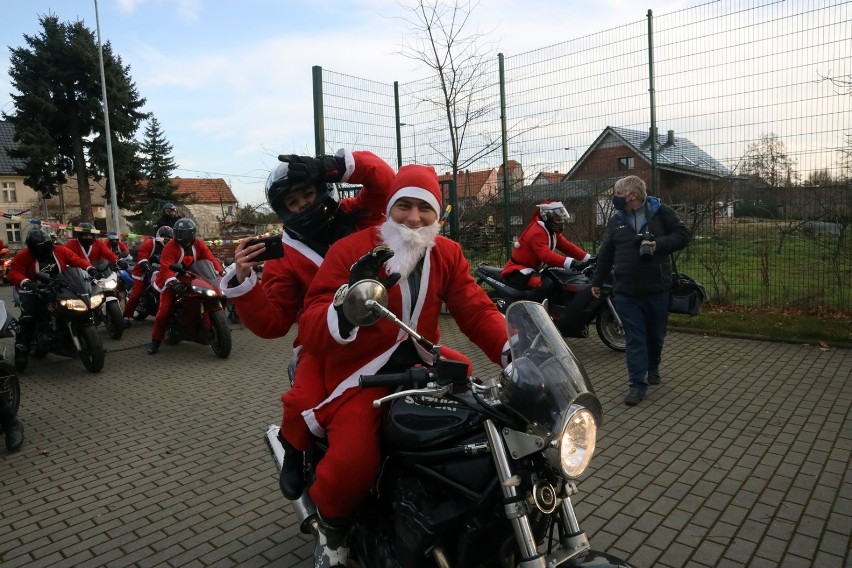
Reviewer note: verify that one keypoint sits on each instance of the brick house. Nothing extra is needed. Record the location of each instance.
(209, 201)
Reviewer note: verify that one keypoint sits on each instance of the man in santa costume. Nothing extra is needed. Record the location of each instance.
(152, 247)
(430, 270)
(302, 193)
(85, 245)
(536, 248)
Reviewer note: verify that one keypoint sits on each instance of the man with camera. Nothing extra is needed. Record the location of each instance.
(640, 237)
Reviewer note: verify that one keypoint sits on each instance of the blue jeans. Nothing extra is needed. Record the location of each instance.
(645, 318)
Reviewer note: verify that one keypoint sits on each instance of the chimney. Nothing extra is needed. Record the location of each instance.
(670, 139)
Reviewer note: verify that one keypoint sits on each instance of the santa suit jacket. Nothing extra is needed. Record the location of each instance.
(24, 265)
(144, 252)
(534, 250)
(445, 278)
(98, 251)
(173, 254)
(271, 309)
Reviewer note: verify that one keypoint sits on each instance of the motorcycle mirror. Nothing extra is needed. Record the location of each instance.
(355, 303)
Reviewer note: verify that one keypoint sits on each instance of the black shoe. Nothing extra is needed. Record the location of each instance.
(14, 435)
(290, 479)
(127, 323)
(331, 549)
(634, 397)
(653, 377)
(154, 347)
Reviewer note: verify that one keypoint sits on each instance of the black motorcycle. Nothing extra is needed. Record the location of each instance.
(149, 303)
(570, 302)
(10, 387)
(476, 472)
(65, 324)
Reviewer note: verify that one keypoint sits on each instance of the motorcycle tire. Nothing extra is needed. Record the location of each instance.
(139, 316)
(220, 334)
(10, 388)
(609, 331)
(113, 320)
(171, 338)
(92, 355)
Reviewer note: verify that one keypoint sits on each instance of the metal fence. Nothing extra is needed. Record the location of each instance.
(751, 107)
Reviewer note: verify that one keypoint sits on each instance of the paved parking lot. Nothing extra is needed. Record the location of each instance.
(740, 458)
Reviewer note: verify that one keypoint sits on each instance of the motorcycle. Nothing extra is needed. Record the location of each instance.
(109, 313)
(10, 387)
(229, 306)
(149, 303)
(570, 302)
(197, 314)
(66, 323)
(476, 472)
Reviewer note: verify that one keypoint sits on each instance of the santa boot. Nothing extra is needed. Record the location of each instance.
(291, 479)
(12, 427)
(331, 547)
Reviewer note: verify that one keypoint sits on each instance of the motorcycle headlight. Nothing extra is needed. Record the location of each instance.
(75, 304)
(109, 284)
(97, 300)
(205, 291)
(576, 444)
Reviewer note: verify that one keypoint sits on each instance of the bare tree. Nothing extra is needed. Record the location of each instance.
(769, 159)
(457, 59)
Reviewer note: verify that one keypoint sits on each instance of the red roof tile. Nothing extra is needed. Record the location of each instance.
(205, 190)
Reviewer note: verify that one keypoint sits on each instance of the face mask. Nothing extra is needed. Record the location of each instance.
(619, 202)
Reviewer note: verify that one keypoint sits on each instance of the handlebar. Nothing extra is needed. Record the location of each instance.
(409, 378)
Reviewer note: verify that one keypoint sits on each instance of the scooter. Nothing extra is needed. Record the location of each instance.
(569, 301)
(476, 471)
(197, 313)
(109, 313)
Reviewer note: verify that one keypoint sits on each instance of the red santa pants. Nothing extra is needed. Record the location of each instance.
(135, 296)
(307, 392)
(161, 322)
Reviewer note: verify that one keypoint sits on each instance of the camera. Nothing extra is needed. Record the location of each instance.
(646, 251)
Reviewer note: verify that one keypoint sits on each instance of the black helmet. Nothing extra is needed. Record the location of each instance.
(39, 242)
(554, 215)
(165, 233)
(166, 206)
(310, 221)
(185, 231)
(88, 235)
(113, 236)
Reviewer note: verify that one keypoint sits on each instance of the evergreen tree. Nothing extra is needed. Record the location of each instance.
(157, 166)
(58, 114)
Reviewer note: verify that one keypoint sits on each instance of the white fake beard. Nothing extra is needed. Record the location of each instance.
(408, 245)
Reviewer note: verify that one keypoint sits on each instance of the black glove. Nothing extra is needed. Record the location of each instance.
(367, 267)
(121, 264)
(579, 265)
(305, 170)
(28, 285)
(177, 286)
(92, 271)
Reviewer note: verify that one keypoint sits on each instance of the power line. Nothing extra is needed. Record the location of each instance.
(222, 174)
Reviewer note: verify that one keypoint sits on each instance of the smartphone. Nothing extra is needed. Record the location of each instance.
(274, 248)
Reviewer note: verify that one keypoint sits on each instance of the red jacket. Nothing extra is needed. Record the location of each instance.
(144, 252)
(271, 309)
(174, 253)
(24, 265)
(98, 251)
(446, 279)
(534, 250)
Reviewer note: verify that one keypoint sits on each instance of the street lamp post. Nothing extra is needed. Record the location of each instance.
(113, 194)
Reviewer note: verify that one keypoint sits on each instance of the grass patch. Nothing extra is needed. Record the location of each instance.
(787, 325)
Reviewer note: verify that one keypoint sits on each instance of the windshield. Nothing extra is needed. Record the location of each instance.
(544, 378)
(205, 269)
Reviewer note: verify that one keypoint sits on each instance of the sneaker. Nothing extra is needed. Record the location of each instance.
(634, 397)
(653, 377)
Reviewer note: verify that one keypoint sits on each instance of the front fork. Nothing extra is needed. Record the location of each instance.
(516, 507)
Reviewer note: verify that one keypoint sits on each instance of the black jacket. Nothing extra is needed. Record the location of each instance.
(165, 221)
(620, 250)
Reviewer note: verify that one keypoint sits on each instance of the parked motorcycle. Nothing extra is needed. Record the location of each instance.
(197, 313)
(10, 387)
(65, 325)
(476, 472)
(570, 302)
(109, 313)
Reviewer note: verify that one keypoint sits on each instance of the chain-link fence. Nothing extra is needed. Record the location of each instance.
(750, 101)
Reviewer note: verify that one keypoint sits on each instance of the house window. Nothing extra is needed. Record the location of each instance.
(625, 164)
(9, 193)
(13, 232)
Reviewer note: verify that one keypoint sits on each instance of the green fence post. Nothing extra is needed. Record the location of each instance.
(319, 122)
(507, 241)
(651, 89)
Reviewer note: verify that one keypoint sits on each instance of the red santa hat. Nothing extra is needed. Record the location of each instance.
(420, 182)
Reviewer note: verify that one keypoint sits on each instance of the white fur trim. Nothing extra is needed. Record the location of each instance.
(303, 249)
(417, 193)
(349, 160)
(567, 262)
(549, 206)
(240, 289)
(587, 257)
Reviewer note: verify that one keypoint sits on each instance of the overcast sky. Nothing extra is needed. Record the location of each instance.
(230, 80)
